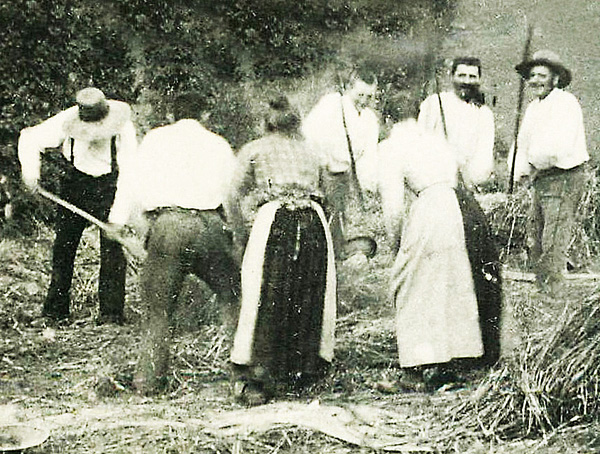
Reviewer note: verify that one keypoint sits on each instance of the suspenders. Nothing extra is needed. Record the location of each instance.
(113, 154)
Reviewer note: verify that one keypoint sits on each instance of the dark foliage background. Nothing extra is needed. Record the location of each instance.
(146, 51)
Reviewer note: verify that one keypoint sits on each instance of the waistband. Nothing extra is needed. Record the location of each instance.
(74, 174)
(156, 212)
(554, 171)
(293, 203)
(70, 171)
(442, 185)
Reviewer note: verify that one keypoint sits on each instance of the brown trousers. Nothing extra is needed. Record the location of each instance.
(556, 195)
(182, 242)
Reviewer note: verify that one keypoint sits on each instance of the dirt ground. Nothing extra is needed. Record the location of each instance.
(75, 380)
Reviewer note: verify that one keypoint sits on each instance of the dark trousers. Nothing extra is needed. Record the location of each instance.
(182, 242)
(94, 195)
(338, 188)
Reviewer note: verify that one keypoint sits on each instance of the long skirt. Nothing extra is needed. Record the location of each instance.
(485, 268)
(287, 316)
(437, 315)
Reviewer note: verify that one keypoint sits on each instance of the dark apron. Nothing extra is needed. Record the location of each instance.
(485, 268)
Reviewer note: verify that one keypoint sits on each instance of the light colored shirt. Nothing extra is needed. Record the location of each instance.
(179, 165)
(470, 130)
(551, 135)
(418, 157)
(323, 129)
(92, 157)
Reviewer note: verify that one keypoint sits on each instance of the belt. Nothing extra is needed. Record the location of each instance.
(553, 171)
(156, 212)
(294, 202)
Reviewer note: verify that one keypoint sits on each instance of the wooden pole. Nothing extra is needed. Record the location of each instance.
(133, 245)
(521, 97)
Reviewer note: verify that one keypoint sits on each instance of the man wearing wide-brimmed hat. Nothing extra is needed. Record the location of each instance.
(93, 137)
(551, 152)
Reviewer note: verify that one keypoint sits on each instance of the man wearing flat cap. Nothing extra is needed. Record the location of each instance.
(551, 153)
(93, 136)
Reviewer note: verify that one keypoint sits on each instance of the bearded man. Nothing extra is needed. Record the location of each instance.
(467, 124)
(463, 118)
(551, 154)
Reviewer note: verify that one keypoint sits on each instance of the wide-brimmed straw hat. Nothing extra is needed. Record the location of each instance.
(96, 117)
(551, 60)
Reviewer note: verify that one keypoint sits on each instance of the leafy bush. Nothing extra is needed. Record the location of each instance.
(146, 51)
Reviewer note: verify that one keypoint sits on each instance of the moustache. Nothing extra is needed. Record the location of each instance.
(471, 87)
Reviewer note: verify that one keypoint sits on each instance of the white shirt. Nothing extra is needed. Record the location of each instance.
(90, 157)
(470, 131)
(323, 128)
(418, 157)
(179, 165)
(551, 135)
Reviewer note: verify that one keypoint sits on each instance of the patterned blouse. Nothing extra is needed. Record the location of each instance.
(275, 167)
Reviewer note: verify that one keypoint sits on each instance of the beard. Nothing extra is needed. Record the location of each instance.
(541, 90)
(470, 93)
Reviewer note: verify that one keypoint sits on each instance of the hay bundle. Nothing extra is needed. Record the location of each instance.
(508, 217)
(585, 243)
(554, 381)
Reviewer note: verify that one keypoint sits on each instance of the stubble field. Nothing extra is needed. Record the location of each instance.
(75, 380)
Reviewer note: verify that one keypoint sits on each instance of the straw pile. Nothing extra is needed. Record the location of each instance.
(508, 217)
(553, 382)
(586, 236)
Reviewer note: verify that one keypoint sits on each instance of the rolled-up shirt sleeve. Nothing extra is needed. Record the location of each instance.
(34, 140)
